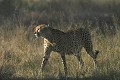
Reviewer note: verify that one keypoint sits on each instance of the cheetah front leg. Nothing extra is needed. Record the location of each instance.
(46, 57)
(64, 63)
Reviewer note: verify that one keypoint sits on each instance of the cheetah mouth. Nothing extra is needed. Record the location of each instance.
(36, 35)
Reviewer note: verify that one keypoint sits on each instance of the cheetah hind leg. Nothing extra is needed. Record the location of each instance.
(93, 55)
(96, 53)
(80, 60)
(95, 61)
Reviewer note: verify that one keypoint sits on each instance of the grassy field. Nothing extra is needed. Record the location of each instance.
(21, 53)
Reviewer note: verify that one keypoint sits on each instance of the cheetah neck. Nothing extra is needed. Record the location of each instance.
(55, 36)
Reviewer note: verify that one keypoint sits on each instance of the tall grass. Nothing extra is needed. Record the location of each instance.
(21, 57)
(21, 53)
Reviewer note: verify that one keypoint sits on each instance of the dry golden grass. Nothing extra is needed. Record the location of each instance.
(21, 55)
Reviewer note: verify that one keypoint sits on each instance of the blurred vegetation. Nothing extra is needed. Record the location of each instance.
(21, 53)
(90, 13)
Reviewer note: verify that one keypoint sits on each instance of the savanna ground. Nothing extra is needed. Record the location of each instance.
(21, 53)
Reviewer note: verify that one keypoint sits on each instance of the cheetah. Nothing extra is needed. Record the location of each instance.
(65, 43)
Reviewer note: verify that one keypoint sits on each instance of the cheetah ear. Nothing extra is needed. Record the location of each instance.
(47, 25)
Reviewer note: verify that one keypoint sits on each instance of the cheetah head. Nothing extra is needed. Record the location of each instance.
(41, 30)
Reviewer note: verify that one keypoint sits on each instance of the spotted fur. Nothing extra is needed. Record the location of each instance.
(70, 42)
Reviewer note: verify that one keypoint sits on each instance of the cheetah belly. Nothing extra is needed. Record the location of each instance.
(66, 48)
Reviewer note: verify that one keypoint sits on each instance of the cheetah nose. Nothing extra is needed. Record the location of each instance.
(34, 32)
